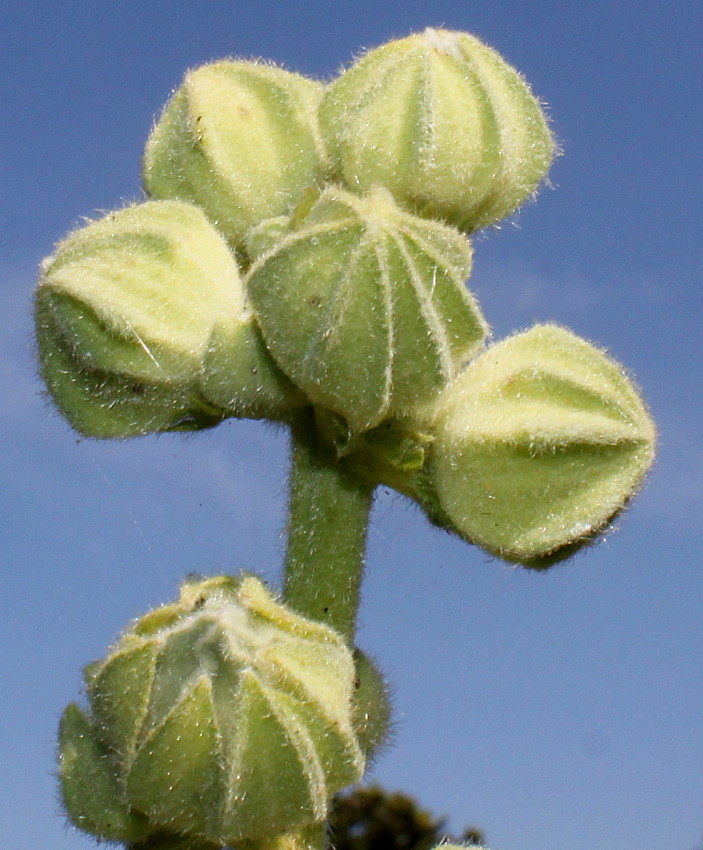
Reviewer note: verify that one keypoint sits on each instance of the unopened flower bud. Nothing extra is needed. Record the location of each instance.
(226, 717)
(142, 326)
(364, 306)
(240, 140)
(539, 443)
(443, 122)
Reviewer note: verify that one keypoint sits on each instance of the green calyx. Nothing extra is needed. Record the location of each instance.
(240, 140)
(444, 123)
(538, 444)
(363, 305)
(223, 717)
(142, 325)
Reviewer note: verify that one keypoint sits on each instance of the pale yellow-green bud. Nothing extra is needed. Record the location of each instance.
(363, 305)
(223, 717)
(240, 140)
(443, 122)
(142, 325)
(539, 443)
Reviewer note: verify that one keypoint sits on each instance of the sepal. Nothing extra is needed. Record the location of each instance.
(90, 792)
(371, 706)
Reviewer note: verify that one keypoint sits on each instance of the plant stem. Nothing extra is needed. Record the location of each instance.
(327, 520)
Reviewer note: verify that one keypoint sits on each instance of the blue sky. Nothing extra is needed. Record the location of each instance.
(556, 712)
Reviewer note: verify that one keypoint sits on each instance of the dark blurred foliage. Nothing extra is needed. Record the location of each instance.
(374, 819)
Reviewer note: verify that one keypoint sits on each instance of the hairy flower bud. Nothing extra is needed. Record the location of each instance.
(240, 140)
(443, 122)
(224, 717)
(539, 443)
(142, 326)
(364, 306)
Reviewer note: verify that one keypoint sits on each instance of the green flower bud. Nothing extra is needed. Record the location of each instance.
(444, 123)
(539, 443)
(225, 717)
(240, 140)
(363, 305)
(142, 326)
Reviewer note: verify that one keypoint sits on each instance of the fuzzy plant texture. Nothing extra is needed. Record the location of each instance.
(302, 258)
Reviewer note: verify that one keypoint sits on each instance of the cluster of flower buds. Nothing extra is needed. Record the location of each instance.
(221, 718)
(306, 245)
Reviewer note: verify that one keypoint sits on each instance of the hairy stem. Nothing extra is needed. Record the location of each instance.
(327, 521)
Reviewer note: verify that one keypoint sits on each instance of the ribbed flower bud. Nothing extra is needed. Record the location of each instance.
(364, 306)
(223, 717)
(442, 121)
(539, 443)
(240, 140)
(142, 326)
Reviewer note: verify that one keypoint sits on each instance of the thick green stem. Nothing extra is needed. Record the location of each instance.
(327, 521)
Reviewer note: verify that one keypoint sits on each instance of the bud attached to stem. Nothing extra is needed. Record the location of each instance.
(444, 123)
(240, 140)
(538, 444)
(142, 326)
(223, 717)
(364, 306)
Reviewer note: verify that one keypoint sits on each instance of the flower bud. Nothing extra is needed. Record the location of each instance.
(444, 123)
(142, 326)
(364, 307)
(539, 443)
(240, 140)
(226, 717)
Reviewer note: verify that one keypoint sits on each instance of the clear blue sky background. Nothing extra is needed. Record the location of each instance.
(556, 712)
